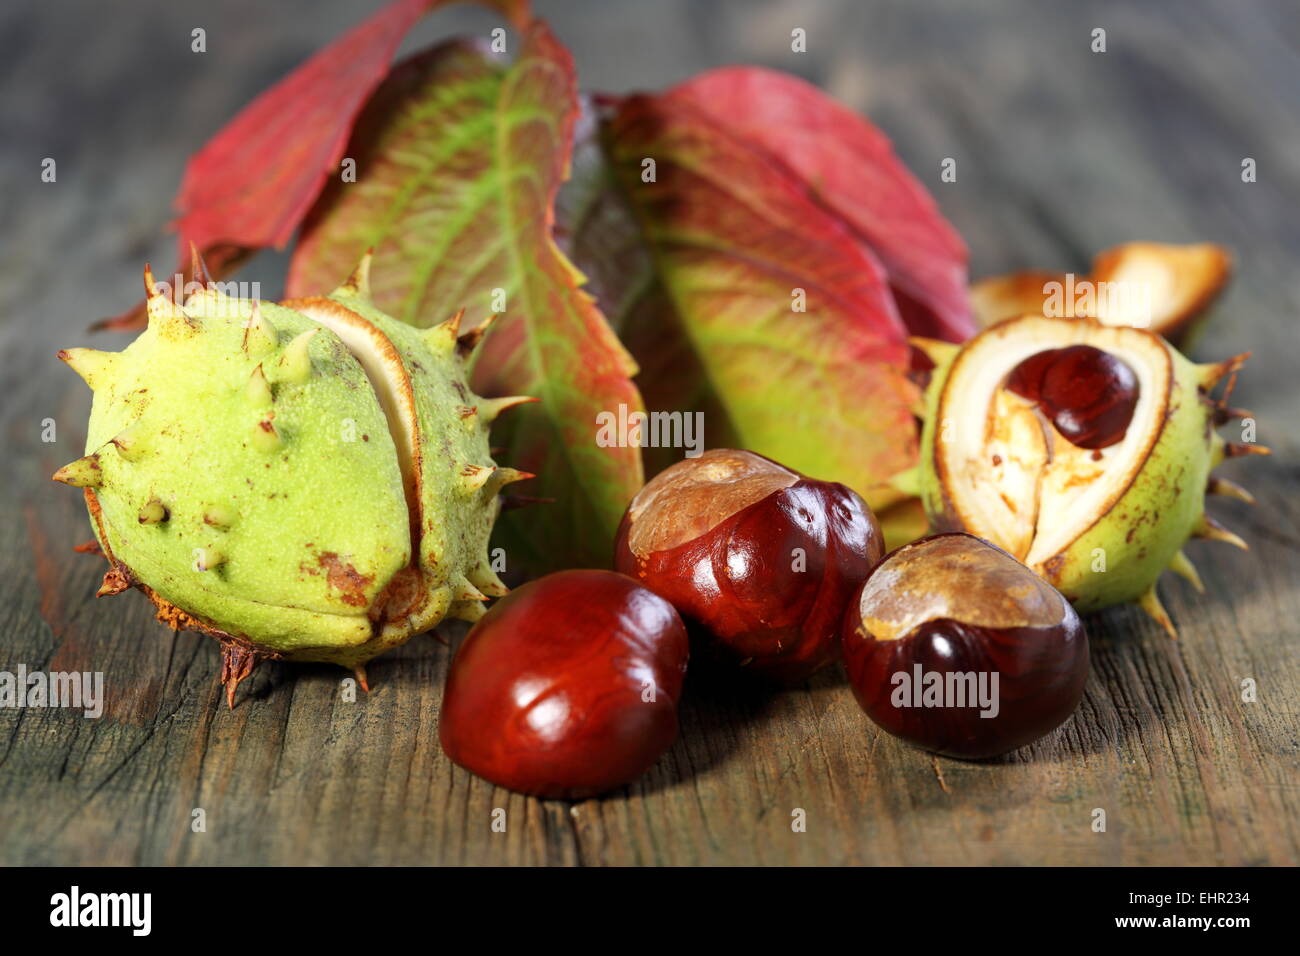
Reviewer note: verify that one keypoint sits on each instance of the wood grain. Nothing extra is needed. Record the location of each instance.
(1060, 152)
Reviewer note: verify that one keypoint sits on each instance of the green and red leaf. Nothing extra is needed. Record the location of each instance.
(849, 168)
(700, 268)
(459, 159)
(251, 185)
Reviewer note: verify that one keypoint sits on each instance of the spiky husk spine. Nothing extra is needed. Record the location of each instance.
(253, 474)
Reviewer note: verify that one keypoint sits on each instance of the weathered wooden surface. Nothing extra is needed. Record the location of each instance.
(1060, 152)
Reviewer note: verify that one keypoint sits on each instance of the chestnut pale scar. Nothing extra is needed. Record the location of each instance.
(704, 492)
(954, 576)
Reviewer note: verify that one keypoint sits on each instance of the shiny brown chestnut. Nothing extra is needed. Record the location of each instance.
(957, 647)
(567, 687)
(1089, 395)
(759, 560)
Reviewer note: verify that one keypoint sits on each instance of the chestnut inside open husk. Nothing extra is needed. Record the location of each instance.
(1086, 393)
(759, 560)
(955, 646)
(567, 687)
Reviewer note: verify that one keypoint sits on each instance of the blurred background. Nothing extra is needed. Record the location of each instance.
(1060, 151)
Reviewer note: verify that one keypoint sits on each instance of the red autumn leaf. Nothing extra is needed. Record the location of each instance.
(849, 168)
(253, 182)
(740, 296)
(459, 160)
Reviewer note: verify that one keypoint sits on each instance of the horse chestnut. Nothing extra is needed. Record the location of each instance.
(567, 687)
(759, 560)
(955, 646)
(1088, 394)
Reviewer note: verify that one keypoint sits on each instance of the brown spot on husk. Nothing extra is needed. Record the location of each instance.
(1052, 567)
(344, 578)
(401, 598)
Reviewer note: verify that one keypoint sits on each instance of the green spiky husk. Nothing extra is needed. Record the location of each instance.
(241, 470)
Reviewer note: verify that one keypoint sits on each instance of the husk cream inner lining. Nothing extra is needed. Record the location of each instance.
(380, 359)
